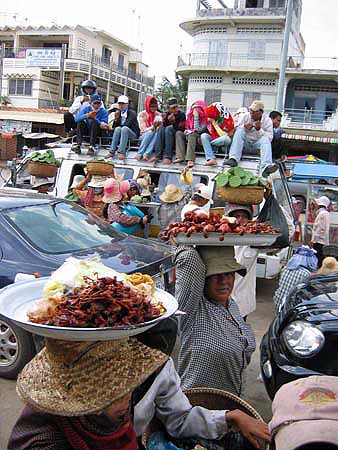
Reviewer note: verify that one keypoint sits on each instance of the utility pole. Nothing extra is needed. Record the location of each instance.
(62, 71)
(2, 57)
(281, 83)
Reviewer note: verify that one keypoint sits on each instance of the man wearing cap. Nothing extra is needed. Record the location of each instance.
(125, 127)
(200, 201)
(90, 120)
(165, 142)
(41, 185)
(254, 132)
(321, 226)
(305, 414)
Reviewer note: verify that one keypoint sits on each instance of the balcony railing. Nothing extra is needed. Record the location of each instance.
(229, 12)
(308, 118)
(312, 63)
(228, 60)
(89, 57)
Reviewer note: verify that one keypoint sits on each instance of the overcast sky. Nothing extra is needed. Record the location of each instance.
(154, 24)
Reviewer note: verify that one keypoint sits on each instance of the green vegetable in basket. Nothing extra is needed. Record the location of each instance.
(48, 158)
(254, 181)
(235, 181)
(246, 180)
(136, 199)
(239, 172)
(222, 179)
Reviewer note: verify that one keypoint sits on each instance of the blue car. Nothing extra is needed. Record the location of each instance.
(39, 232)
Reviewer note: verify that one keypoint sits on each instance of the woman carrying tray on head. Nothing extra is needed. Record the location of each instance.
(216, 343)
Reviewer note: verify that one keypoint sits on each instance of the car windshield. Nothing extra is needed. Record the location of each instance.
(61, 227)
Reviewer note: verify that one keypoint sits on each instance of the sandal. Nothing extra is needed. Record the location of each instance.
(178, 160)
(138, 157)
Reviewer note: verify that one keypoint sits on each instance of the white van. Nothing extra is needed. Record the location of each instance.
(268, 265)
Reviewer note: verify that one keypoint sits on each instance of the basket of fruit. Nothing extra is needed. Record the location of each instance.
(43, 165)
(240, 186)
(100, 167)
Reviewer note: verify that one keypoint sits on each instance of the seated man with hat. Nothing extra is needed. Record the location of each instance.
(91, 120)
(200, 201)
(254, 132)
(42, 185)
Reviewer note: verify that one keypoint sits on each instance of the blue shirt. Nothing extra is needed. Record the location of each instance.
(101, 115)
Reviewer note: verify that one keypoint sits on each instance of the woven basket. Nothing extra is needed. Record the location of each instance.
(100, 168)
(210, 399)
(42, 170)
(243, 195)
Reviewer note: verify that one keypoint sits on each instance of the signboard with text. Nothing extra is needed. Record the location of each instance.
(43, 57)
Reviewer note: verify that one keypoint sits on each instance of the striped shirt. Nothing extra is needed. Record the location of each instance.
(216, 344)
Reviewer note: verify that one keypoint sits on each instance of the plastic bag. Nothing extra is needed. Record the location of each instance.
(272, 213)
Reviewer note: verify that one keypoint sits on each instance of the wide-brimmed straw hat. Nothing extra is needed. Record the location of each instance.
(111, 191)
(220, 260)
(40, 182)
(329, 265)
(80, 378)
(232, 207)
(77, 180)
(171, 194)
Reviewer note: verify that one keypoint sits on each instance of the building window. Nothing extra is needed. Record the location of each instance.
(211, 79)
(249, 97)
(217, 54)
(106, 55)
(254, 3)
(120, 61)
(212, 95)
(277, 3)
(256, 49)
(250, 81)
(20, 87)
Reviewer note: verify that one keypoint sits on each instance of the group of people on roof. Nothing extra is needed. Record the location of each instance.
(172, 136)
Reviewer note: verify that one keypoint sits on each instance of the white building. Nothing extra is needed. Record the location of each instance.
(236, 58)
(116, 66)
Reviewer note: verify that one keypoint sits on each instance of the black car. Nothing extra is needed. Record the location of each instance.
(303, 338)
(39, 232)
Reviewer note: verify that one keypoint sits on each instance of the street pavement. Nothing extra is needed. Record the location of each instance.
(10, 405)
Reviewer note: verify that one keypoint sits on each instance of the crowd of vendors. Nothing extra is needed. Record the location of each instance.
(105, 394)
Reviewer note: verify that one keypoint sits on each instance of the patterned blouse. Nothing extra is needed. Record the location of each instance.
(216, 344)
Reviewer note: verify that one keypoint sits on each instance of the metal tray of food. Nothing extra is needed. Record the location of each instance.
(18, 298)
(230, 239)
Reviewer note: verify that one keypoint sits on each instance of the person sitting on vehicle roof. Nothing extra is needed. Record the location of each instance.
(42, 185)
(125, 127)
(255, 132)
(219, 131)
(91, 198)
(173, 122)
(91, 119)
(298, 270)
(88, 88)
(124, 219)
(195, 125)
(150, 121)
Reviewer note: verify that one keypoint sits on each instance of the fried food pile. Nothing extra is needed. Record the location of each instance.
(100, 302)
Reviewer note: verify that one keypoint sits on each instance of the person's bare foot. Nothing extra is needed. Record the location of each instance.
(109, 155)
(138, 157)
(146, 158)
(210, 162)
(190, 164)
(178, 160)
(154, 159)
(122, 156)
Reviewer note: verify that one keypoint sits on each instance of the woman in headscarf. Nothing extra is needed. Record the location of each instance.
(149, 120)
(91, 198)
(298, 270)
(195, 125)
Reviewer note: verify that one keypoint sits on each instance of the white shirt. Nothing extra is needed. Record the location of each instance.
(197, 209)
(244, 291)
(253, 135)
(77, 105)
(166, 400)
(321, 227)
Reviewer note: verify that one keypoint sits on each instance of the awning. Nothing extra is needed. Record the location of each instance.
(307, 158)
(40, 136)
(310, 138)
(29, 116)
(303, 171)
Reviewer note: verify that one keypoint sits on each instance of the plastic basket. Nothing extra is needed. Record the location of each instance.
(100, 168)
(243, 195)
(42, 170)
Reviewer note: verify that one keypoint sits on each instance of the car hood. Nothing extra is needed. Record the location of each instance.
(126, 255)
(318, 310)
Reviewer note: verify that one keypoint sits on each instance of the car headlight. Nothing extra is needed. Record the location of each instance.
(303, 339)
